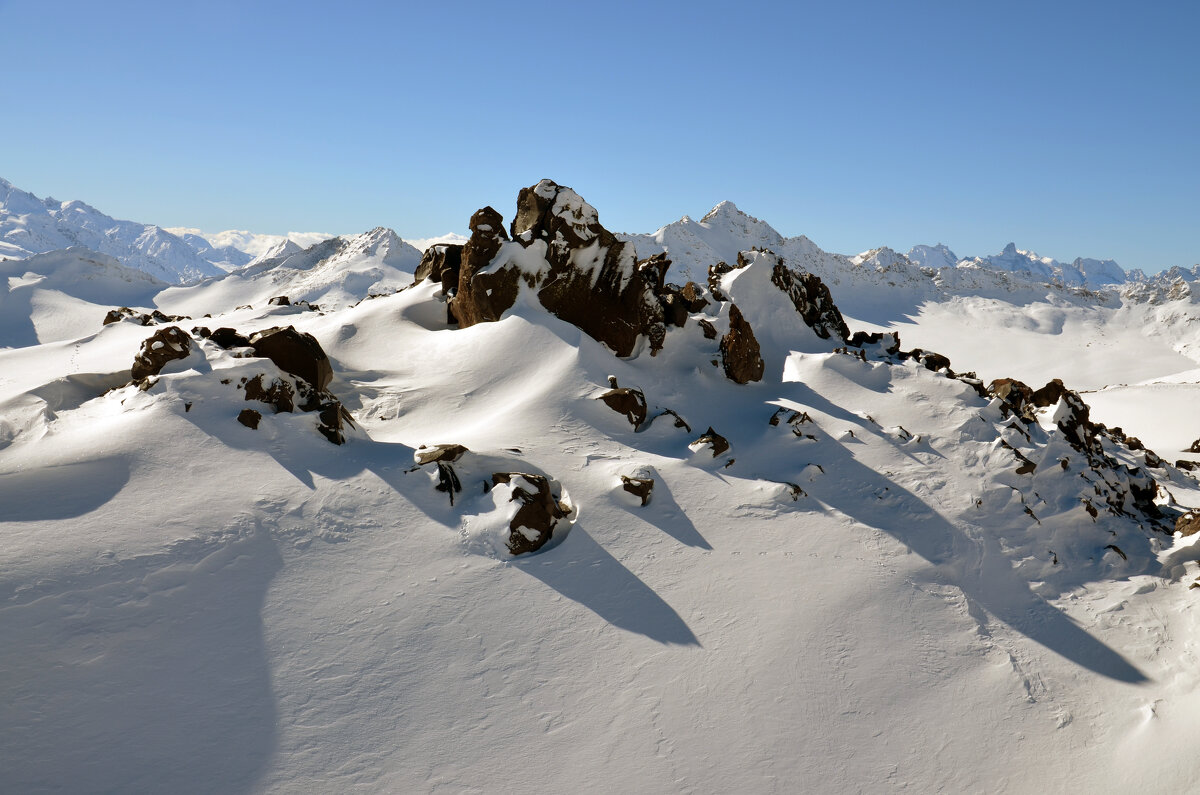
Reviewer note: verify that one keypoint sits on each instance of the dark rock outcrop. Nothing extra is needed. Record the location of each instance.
(227, 338)
(812, 300)
(539, 512)
(716, 441)
(165, 345)
(278, 394)
(250, 418)
(592, 281)
(154, 318)
(279, 300)
(294, 352)
(447, 453)
(483, 297)
(442, 264)
(740, 354)
(641, 488)
(630, 402)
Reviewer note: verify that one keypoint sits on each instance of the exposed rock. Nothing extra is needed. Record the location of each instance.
(295, 352)
(442, 264)
(333, 418)
(278, 394)
(591, 279)
(1048, 395)
(448, 453)
(891, 340)
(250, 418)
(740, 353)
(638, 487)
(708, 329)
(1017, 396)
(227, 338)
(811, 298)
(1188, 524)
(630, 402)
(153, 319)
(539, 512)
(279, 300)
(693, 297)
(165, 345)
(483, 297)
(712, 439)
(1195, 448)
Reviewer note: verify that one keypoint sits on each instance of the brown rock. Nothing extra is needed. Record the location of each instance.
(483, 297)
(1048, 395)
(333, 418)
(812, 300)
(539, 512)
(448, 453)
(279, 300)
(228, 338)
(630, 402)
(278, 394)
(718, 442)
(708, 329)
(165, 345)
(442, 264)
(739, 350)
(693, 297)
(638, 487)
(294, 352)
(250, 418)
(1188, 523)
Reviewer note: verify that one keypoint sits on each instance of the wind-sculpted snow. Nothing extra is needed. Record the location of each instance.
(859, 571)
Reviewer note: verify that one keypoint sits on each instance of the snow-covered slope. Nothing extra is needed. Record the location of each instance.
(334, 273)
(29, 225)
(886, 580)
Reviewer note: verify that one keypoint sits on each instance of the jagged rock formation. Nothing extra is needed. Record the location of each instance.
(153, 318)
(630, 402)
(641, 488)
(294, 352)
(740, 355)
(811, 298)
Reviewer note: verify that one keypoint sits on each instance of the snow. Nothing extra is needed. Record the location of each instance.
(188, 604)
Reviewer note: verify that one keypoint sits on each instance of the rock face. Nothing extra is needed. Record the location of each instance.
(278, 393)
(483, 297)
(812, 300)
(740, 354)
(165, 345)
(441, 264)
(590, 278)
(294, 352)
(641, 488)
(630, 402)
(539, 512)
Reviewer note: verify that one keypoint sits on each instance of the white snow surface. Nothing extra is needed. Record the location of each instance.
(866, 600)
(190, 605)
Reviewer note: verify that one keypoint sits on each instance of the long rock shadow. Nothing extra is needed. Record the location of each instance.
(981, 571)
(664, 513)
(584, 572)
(63, 491)
(154, 679)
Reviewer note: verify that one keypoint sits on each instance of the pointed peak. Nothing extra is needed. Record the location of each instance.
(1010, 249)
(725, 209)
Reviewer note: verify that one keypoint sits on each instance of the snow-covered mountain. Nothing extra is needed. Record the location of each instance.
(447, 539)
(29, 225)
(251, 245)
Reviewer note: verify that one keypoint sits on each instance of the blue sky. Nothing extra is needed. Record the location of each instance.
(1070, 128)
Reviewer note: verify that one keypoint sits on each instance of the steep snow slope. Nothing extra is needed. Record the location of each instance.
(863, 599)
(29, 225)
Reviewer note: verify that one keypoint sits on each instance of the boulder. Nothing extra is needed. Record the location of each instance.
(740, 353)
(447, 453)
(630, 402)
(250, 418)
(227, 338)
(1048, 395)
(1188, 523)
(165, 345)
(638, 487)
(483, 297)
(333, 418)
(538, 512)
(711, 438)
(294, 352)
(279, 300)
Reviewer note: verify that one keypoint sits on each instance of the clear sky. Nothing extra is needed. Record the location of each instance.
(1071, 128)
